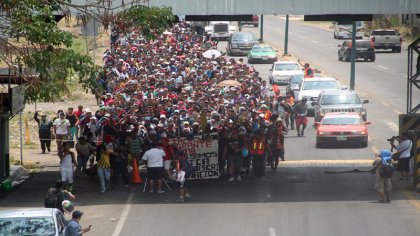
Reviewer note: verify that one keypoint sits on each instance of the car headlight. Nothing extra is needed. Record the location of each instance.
(363, 133)
(323, 133)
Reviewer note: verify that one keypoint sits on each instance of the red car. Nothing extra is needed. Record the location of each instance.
(346, 127)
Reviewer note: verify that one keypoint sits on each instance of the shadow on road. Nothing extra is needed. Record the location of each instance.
(288, 184)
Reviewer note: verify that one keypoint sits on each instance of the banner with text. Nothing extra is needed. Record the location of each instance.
(201, 153)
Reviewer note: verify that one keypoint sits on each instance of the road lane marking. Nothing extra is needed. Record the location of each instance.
(272, 232)
(385, 104)
(397, 111)
(326, 163)
(314, 41)
(394, 127)
(124, 215)
(383, 67)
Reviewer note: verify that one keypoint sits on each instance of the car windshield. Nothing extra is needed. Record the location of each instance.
(350, 120)
(287, 66)
(263, 49)
(243, 37)
(27, 226)
(320, 85)
(340, 99)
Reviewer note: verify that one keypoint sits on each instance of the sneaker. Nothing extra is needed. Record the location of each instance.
(151, 191)
(231, 179)
(180, 200)
(302, 133)
(187, 195)
(160, 191)
(239, 178)
(298, 134)
(102, 191)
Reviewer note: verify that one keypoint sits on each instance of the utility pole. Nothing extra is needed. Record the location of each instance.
(353, 56)
(262, 28)
(286, 36)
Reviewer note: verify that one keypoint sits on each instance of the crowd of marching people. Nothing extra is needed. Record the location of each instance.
(151, 91)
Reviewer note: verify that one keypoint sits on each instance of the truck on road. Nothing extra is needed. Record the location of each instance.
(386, 39)
(220, 30)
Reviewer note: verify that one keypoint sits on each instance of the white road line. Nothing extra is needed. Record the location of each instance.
(124, 215)
(272, 232)
(397, 111)
(314, 41)
(385, 104)
(392, 126)
(383, 67)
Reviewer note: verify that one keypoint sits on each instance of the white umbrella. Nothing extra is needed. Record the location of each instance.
(212, 53)
(167, 33)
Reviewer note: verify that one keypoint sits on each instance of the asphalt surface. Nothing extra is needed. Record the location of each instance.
(299, 199)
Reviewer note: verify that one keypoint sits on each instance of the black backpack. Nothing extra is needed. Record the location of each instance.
(53, 198)
(386, 170)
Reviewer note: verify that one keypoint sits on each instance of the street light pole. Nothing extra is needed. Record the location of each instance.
(262, 28)
(286, 36)
(353, 56)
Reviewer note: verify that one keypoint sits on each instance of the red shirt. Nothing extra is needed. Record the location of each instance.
(78, 113)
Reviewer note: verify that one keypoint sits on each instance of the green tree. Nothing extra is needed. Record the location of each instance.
(151, 21)
(36, 42)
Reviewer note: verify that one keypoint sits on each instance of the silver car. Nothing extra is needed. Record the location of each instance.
(32, 221)
(338, 101)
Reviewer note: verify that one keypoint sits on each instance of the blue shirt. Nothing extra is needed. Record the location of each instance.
(73, 228)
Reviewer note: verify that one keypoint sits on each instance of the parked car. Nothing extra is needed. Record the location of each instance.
(255, 21)
(386, 39)
(338, 101)
(281, 72)
(344, 30)
(311, 87)
(32, 221)
(239, 43)
(262, 53)
(364, 49)
(347, 127)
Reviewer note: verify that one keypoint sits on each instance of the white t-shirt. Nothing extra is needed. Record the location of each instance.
(154, 157)
(61, 125)
(405, 147)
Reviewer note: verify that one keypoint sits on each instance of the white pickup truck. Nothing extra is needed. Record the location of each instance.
(386, 39)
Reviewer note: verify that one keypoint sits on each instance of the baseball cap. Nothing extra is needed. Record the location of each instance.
(77, 214)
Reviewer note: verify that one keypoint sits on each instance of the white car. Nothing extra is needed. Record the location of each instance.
(311, 87)
(342, 31)
(282, 72)
(32, 221)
